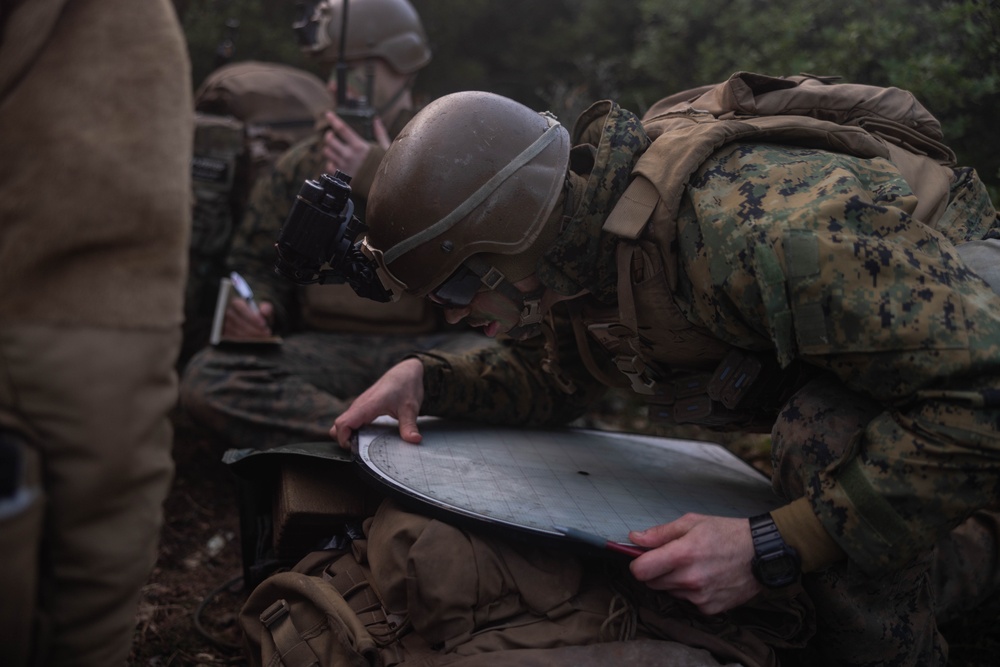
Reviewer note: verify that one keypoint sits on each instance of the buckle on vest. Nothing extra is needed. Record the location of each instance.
(274, 613)
(532, 312)
(636, 370)
(611, 335)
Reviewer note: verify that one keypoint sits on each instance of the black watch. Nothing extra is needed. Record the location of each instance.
(775, 564)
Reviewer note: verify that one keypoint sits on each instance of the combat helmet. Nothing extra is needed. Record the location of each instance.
(464, 199)
(387, 29)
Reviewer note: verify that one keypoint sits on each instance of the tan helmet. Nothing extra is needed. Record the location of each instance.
(387, 29)
(474, 176)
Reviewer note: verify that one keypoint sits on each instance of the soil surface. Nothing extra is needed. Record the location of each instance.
(188, 609)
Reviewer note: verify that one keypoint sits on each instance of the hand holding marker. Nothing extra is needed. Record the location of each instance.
(243, 289)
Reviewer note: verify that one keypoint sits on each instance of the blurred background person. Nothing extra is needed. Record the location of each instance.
(95, 133)
(334, 342)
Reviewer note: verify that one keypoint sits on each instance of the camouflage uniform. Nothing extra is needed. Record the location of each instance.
(262, 397)
(818, 258)
(814, 431)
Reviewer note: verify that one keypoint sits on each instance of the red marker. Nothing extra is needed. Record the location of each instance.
(601, 543)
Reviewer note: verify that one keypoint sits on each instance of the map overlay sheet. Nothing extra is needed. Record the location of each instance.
(600, 482)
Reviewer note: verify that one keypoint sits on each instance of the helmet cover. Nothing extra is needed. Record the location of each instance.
(471, 173)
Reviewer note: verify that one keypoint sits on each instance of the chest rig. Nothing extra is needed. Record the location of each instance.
(683, 372)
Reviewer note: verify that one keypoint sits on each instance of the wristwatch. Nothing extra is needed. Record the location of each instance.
(775, 564)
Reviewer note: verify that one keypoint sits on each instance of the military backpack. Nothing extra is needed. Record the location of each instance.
(686, 128)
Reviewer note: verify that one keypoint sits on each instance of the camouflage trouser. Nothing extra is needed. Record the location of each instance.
(265, 397)
(864, 620)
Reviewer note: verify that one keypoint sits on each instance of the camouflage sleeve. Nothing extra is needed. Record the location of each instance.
(252, 252)
(818, 254)
(505, 383)
(970, 215)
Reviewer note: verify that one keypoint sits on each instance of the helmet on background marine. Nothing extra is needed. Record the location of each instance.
(464, 198)
(386, 29)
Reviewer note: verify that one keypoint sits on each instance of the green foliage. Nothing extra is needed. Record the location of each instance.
(264, 33)
(555, 54)
(944, 51)
(562, 55)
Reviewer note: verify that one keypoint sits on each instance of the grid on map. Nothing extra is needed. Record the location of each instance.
(603, 483)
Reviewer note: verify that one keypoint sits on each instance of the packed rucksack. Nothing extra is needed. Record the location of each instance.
(407, 589)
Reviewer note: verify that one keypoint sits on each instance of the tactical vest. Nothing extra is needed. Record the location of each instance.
(684, 372)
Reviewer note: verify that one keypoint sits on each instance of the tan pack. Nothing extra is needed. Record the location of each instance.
(278, 106)
(419, 591)
(726, 388)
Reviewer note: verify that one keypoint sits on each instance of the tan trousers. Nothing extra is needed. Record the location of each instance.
(90, 408)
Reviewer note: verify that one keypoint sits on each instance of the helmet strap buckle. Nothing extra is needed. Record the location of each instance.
(531, 310)
(492, 278)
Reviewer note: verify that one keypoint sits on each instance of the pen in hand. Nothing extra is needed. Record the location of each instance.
(243, 289)
(630, 550)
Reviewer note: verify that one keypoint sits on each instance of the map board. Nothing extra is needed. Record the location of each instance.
(600, 482)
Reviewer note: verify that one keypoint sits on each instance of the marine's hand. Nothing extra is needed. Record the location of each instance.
(243, 324)
(398, 393)
(345, 149)
(702, 559)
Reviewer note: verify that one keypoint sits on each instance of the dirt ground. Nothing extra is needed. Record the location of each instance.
(188, 610)
(199, 554)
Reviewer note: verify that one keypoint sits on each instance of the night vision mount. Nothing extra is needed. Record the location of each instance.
(321, 230)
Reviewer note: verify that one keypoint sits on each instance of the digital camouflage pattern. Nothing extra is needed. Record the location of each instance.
(824, 261)
(823, 264)
(815, 430)
(579, 259)
(816, 256)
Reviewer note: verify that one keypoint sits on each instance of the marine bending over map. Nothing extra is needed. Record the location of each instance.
(768, 252)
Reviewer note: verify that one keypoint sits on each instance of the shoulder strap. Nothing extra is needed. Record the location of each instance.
(620, 337)
(630, 215)
(292, 649)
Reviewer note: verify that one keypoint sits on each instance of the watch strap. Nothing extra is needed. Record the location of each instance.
(765, 534)
(770, 549)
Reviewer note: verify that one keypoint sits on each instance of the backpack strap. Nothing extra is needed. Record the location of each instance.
(732, 395)
(293, 651)
(629, 216)
(353, 581)
(627, 220)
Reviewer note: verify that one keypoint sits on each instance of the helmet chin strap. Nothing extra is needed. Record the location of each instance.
(381, 110)
(530, 303)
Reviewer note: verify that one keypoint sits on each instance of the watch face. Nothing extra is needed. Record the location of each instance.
(777, 569)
